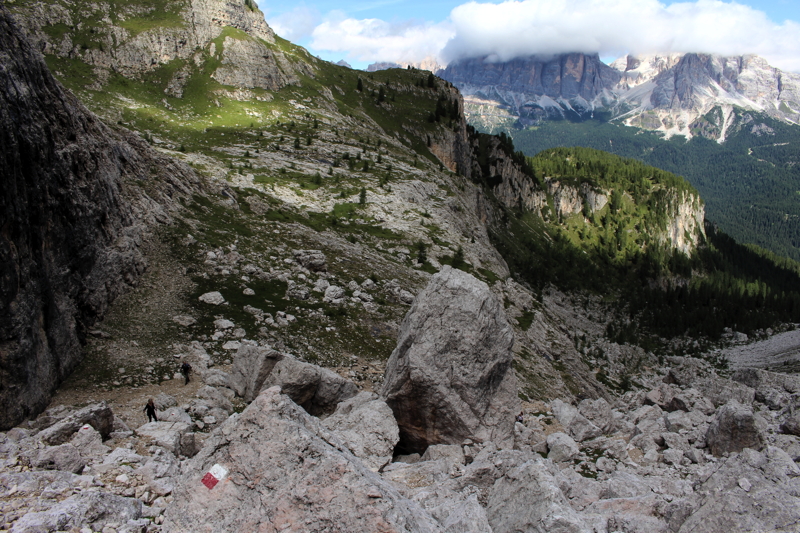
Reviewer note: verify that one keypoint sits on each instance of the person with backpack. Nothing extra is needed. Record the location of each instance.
(150, 409)
(186, 369)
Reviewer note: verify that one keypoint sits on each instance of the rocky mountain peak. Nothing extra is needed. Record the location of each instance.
(666, 92)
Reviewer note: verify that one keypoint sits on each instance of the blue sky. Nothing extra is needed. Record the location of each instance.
(364, 31)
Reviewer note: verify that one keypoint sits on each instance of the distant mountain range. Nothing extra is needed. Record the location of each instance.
(686, 94)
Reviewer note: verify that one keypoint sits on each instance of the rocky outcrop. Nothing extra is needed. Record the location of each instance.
(142, 39)
(449, 378)
(285, 471)
(71, 209)
(251, 367)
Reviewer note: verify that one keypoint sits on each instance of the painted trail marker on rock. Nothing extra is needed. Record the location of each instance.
(214, 476)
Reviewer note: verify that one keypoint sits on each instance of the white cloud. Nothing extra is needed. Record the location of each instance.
(609, 27)
(377, 40)
(296, 24)
(613, 27)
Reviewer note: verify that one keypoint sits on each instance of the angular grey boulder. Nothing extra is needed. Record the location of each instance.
(251, 366)
(99, 416)
(315, 389)
(450, 378)
(366, 424)
(734, 429)
(286, 472)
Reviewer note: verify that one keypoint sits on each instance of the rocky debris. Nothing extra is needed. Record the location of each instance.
(733, 429)
(184, 320)
(791, 425)
(720, 391)
(313, 260)
(650, 470)
(164, 401)
(251, 367)
(334, 294)
(449, 377)
(528, 498)
(366, 424)
(316, 389)
(275, 454)
(94, 509)
(99, 416)
(577, 425)
(750, 491)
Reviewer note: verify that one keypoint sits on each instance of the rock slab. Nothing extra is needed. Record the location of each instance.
(286, 472)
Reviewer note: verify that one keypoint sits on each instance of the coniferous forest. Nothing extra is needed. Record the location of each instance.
(661, 293)
(750, 183)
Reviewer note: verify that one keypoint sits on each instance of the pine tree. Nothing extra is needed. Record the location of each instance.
(360, 85)
(362, 196)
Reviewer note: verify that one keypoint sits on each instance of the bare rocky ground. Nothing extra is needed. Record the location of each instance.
(689, 451)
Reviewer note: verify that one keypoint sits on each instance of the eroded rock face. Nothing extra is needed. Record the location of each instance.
(251, 366)
(278, 456)
(449, 378)
(316, 389)
(70, 219)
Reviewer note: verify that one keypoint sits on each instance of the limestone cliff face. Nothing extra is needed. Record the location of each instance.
(535, 86)
(682, 230)
(72, 213)
(138, 39)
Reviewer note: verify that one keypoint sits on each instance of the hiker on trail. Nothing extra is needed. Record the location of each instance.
(186, 368)
(150, 409)
(520, 418)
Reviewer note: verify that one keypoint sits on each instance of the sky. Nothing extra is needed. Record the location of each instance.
(366, 31)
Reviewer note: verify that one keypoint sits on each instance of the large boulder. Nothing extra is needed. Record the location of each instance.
(173, 436)
(315, 389)
(251, 366)
(734, 429)
(99, 416)
(450, 378)
(366, 424)
(285, 472)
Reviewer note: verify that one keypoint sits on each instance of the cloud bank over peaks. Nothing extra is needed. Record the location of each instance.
(614, 27)
(517, 28)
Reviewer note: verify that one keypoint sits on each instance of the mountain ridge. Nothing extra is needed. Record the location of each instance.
(669, 93)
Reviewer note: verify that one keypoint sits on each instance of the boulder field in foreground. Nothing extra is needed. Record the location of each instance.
(450, 378)
(286, 473)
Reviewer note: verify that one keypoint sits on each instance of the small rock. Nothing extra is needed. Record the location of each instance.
(184, 320)
(249, 292)
(213, 298)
